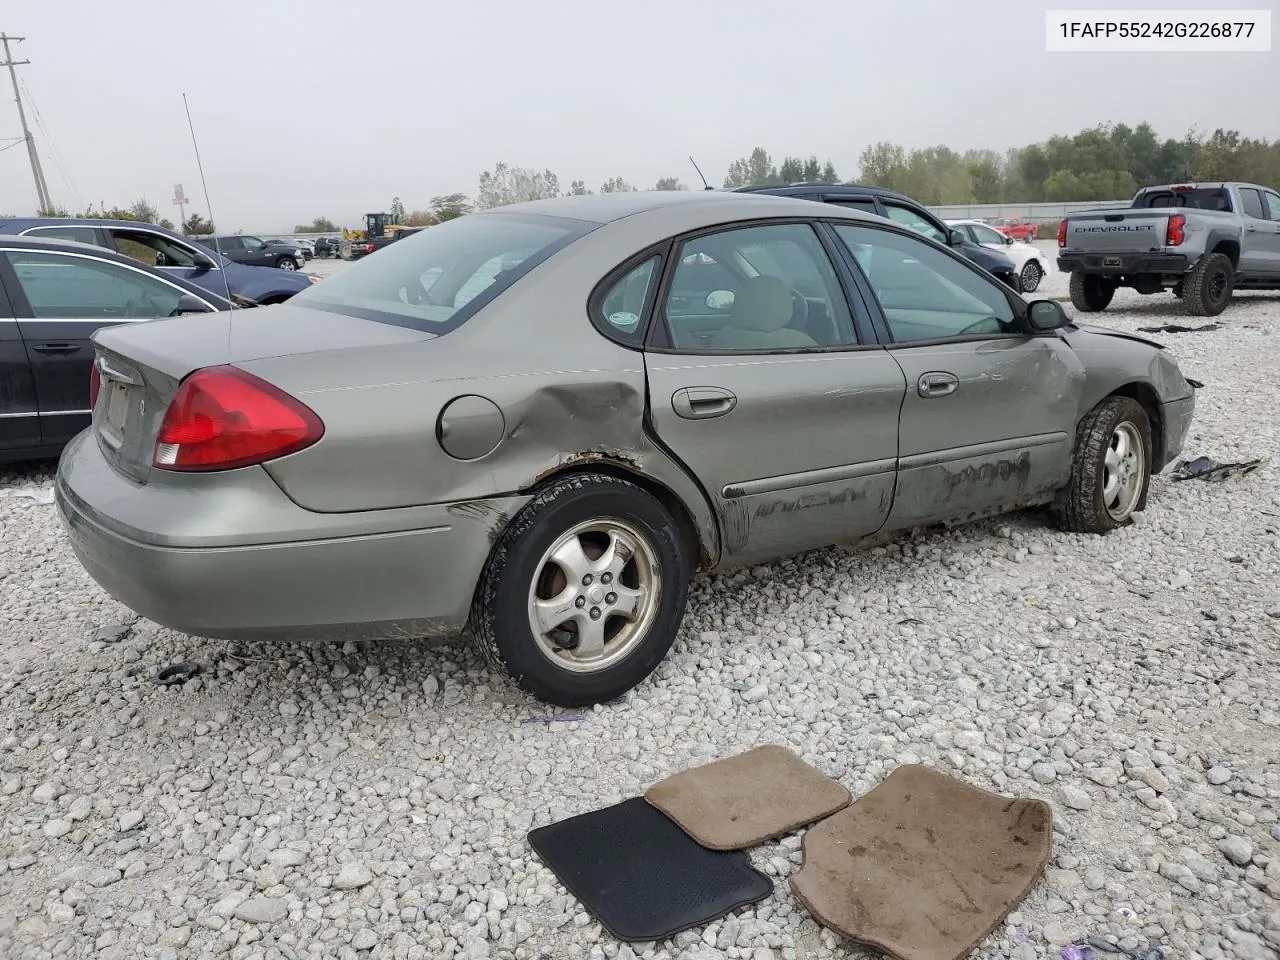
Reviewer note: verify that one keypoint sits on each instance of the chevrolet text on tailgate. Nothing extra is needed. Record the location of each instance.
(1203, 241)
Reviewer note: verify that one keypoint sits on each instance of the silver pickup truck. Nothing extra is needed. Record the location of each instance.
(1201, 240)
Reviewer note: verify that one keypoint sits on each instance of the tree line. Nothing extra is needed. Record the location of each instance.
(1106, 162)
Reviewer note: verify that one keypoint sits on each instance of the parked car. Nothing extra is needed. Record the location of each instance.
(1016, 229)
(308, 247)
(904, 210)
(254, 252)
(53, 295)
(172, 253)
(1031, 264)
(546, 455)
(1203, 241)
(326, 247)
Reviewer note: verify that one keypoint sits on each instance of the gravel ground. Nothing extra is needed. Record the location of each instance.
(372, 800)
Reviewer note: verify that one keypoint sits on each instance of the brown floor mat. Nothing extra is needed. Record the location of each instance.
(744, 800)
(924, 866)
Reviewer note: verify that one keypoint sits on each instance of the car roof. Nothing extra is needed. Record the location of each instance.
(718, 205)
(81, 222)
(826, 189)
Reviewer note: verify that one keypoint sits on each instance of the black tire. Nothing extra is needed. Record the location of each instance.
(1030, 277)
(1081, 507)
(287, 263)
(1207, 289)
(1090, 293)
(1177, 289)
(500, 618)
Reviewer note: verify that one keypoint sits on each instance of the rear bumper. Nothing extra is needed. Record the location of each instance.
(1176, 417)
(1123, 263)
(281, 571)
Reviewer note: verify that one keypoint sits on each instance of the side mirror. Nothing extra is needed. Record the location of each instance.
(205, 262)
(189, 304)
(1008, 241)
(1046, 315)
(720, 299)
(956, 238)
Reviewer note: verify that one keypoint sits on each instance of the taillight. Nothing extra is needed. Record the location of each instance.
(224, 417)
(1174, 234)
(95, 386)
(368, 248)
(1062, 233)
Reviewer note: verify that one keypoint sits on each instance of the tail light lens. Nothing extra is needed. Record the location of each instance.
(223, 417)
(95, 386)
(368, 248)
(1062, 233)
(1174, 234)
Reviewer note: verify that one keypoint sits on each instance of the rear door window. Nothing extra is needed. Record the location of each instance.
(78, 234)
(1251, 200)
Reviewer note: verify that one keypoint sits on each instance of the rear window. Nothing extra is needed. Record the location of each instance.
(1200, 199)
(436, 279)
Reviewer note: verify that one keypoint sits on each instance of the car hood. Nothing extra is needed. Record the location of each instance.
(1089, 328)
(987, 258)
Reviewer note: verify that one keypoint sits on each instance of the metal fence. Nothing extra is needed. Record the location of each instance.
(1025, 211)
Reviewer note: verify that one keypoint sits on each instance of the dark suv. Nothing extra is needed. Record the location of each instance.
(253, 252)
(894, 206)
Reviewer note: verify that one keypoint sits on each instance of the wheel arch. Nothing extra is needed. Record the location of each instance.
(1224, 243)
(698, 530)
(1146, 397)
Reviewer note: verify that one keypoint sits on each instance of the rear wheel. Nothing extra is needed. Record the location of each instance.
(287, 263)
(1090, 293)
(1030, 278)
(584, 592)
(1207, 289)
(1110, 468)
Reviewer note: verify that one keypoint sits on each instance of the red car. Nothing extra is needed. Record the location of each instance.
(1018, 229)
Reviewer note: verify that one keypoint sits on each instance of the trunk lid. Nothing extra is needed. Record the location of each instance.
(141, 365)
(1120, 231)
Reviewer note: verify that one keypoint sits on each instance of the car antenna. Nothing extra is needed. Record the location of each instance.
(705, 185)
(205, 187)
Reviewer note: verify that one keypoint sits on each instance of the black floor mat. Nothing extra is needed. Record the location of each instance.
(642, 876)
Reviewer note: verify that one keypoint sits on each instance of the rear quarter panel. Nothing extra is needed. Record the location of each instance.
(569, 398)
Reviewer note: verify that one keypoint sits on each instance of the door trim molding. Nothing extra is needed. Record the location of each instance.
(807, 478)
(936, 457)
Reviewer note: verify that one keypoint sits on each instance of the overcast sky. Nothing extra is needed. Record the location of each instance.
(332, 107)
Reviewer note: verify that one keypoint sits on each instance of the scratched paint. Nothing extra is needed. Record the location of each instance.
(988, 473)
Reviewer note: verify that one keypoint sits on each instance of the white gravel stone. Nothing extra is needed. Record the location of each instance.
(261, 910)
(352, 876)
(1134, 674)
(1237, 849)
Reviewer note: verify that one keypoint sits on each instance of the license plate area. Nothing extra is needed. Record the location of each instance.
(116, 412)
(1111, 261)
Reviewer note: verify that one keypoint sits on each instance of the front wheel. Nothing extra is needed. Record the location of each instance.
(584, 593)
(1090, 293)
(1031, 274)
(287, 263)
(1110, 468)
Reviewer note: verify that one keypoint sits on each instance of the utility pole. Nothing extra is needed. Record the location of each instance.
(42, 188)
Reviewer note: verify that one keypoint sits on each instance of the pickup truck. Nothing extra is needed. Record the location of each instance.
(1203, 241)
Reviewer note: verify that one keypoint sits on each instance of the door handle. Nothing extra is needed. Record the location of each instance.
(936, 384)
(1250, 229)
(701, 403)
(56, 347)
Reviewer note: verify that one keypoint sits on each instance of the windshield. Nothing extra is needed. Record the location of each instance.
(435, 279)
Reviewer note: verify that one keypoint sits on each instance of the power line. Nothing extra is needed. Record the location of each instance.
(54, 152)
(42, 188)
